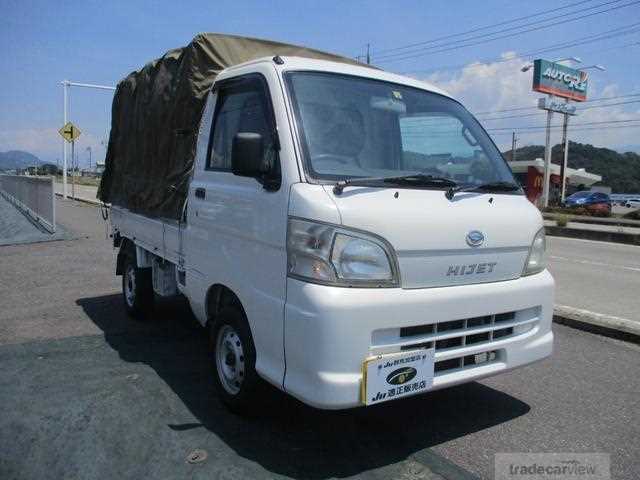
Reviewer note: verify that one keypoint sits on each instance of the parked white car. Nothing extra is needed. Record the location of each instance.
(632, 203)
(351, 236)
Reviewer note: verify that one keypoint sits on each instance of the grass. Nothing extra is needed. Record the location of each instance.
(562, 220)
(90, 181)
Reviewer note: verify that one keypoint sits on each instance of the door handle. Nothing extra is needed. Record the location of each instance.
(201, 192)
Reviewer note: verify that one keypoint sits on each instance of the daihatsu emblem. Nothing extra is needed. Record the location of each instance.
(475, 238)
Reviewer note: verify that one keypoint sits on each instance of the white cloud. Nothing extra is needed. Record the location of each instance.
(502, 85)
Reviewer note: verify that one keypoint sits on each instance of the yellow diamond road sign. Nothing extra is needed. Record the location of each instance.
(69, 132)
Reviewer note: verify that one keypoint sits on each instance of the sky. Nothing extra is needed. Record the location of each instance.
(45, 42)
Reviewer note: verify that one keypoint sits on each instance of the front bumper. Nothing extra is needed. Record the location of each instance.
(330, 331)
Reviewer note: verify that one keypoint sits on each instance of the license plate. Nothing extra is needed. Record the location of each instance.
(397, 375)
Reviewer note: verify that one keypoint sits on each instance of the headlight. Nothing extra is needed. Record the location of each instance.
(537, 259)
(333, 255)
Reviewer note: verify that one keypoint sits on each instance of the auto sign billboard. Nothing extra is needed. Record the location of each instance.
(559, 80)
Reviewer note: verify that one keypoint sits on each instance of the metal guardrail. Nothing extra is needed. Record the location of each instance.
(34, 196)
(612, 221)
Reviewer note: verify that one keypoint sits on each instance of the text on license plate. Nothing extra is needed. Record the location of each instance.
(396, 375)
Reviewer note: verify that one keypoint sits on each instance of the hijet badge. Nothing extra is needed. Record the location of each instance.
(387, 377)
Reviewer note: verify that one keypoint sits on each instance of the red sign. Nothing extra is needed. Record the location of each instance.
(533, 187)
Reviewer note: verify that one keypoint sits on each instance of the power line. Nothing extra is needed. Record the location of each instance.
(417, 134)
(417, 130)
(438, 49)
(536, 127)
(598, 99)
(435, 122)
(614, 127)
(606, 35)
(479, 29)
(577, 109)
(517, 30)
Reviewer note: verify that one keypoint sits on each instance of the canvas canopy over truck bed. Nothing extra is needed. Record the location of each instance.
(155, 117)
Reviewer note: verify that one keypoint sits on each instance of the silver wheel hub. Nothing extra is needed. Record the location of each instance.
(130, 285)
(230, 359)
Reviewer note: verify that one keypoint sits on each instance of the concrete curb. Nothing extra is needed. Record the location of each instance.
(80, 199)
(607, 325)
(602, 236)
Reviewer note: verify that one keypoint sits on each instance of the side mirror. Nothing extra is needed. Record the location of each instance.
(247, 155)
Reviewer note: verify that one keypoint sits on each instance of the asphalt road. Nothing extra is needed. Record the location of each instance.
(88, 393)
(597, 276)
(81, 191)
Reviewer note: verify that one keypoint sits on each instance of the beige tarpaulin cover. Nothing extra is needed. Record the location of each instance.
(155, 117)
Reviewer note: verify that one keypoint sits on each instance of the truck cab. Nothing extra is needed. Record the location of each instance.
(373, 240)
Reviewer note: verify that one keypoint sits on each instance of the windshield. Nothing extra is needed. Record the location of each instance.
(356, 127)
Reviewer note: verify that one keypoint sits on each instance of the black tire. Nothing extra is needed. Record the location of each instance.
(240, 390)
(137, 289)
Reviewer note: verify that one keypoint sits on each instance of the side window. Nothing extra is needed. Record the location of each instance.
(242, 107)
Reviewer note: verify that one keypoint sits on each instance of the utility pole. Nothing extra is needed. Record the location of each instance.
(89, 150)
(368, 55)
(514, 139)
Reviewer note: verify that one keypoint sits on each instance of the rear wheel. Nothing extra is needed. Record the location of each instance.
(234, 359)
(137, 289)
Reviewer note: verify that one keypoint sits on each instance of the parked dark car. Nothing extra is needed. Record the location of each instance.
(596, 203)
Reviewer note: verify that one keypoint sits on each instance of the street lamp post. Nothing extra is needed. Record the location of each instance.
(65, 89)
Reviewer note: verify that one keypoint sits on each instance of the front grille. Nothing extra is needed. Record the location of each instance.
(459, 344)
(461, 333)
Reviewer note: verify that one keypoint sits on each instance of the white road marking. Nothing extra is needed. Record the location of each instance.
(597, 264)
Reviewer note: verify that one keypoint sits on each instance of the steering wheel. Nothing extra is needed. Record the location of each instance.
(334, 157)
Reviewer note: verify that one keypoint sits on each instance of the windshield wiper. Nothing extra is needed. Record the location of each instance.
(485, 187)
(414, 179)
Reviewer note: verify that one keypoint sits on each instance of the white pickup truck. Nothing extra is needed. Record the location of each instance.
(351, 236)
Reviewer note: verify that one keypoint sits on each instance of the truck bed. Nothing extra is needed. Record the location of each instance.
(159, 236)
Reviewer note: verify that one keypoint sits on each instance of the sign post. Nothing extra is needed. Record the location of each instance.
(547, 162)
(557, 80)
(65, 88)
(70, 133)
(567, 110)
(565, 156)
(73, 169)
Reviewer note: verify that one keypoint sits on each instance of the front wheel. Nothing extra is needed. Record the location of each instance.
(234, 359)
(137, 289)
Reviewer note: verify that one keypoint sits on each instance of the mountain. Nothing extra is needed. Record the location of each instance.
(18, 159)
(628, 148)
(620, 171)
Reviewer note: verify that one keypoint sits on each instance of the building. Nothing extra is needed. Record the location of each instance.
(530, 174)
